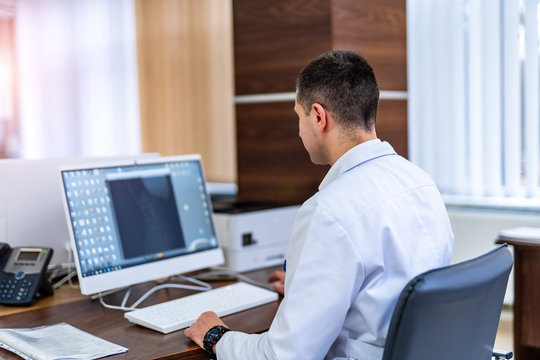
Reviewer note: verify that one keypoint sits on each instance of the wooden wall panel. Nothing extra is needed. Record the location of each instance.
(274, 40)
(377, 30)
(186, 82)
(391, 124)
(273, 165)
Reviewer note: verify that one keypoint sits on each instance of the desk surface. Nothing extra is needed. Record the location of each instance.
(68, 305)
(517, 241)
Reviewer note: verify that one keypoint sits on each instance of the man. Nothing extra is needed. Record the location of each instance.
(376, 222)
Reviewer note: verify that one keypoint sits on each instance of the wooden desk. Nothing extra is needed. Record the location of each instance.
(111, 325)
(526, 297)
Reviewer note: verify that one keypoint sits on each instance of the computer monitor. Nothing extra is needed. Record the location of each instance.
(31, 208)
(132, 222)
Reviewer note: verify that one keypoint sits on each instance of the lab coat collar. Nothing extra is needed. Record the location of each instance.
(355, 156)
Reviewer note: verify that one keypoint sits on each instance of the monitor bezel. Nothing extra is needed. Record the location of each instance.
(144, 272)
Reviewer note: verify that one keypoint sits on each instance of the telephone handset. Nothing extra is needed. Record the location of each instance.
(23, 274)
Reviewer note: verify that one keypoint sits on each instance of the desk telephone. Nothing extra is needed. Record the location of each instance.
(23, 274)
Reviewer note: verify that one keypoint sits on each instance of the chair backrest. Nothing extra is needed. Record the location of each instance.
(451, 312)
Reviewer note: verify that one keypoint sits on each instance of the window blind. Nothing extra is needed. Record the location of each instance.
(474, 96)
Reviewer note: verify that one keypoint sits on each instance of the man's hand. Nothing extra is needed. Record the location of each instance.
(199, 328)
(278, 281)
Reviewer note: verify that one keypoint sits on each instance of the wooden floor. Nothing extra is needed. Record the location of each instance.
(505, 339)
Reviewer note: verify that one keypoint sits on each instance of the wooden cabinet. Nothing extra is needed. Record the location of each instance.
(526, 297)
(273, 41)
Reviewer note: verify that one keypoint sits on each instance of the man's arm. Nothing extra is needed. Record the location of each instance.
(209, 319)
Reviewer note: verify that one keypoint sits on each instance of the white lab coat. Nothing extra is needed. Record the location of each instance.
(376, 222)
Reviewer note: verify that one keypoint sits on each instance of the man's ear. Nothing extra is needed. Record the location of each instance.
(321, 116)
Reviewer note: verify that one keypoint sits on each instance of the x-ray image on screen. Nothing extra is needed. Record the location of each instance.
(146, 214)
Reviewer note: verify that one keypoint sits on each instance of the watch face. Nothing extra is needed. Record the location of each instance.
(213, 333)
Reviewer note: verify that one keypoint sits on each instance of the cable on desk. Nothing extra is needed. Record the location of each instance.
(66, 271)
(68, 277)
(202, 286)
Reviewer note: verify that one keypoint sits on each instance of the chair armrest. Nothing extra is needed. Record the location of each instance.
(502, 354)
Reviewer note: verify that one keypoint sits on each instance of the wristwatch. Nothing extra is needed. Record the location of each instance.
(212, 337)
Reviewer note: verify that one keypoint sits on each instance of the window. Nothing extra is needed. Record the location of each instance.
(77, 78)
(9, 130)
(474, 98)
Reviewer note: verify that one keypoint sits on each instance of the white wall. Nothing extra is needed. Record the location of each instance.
(475, 232)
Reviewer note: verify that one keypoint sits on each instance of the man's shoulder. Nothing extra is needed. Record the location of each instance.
(371, 183)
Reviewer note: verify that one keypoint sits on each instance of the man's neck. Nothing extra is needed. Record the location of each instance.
(345, 143)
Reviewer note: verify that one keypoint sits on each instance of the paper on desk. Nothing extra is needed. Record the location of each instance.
(56, 342)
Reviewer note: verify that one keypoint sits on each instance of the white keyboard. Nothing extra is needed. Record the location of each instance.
(182, 312)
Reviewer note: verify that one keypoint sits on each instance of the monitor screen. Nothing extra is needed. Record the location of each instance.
(139, 221)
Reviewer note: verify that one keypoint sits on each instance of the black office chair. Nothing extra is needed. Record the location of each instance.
(451, 312)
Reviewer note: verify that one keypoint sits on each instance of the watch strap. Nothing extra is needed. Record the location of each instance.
(212, 337)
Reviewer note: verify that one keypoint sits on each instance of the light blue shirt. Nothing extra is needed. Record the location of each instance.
(376, 222)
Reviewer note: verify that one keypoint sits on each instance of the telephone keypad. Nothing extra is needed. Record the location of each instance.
(14, 289)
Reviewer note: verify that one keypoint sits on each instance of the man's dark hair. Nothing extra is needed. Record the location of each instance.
(344, 83)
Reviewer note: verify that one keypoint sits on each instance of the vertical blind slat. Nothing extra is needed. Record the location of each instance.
(475, 115)
(512, 98)
(492, 97)
(428, 112)
(531, 97)
(457, 98)
(414, 62)
(443, 73)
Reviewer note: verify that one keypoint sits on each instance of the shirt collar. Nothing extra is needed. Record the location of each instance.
(355, 156)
